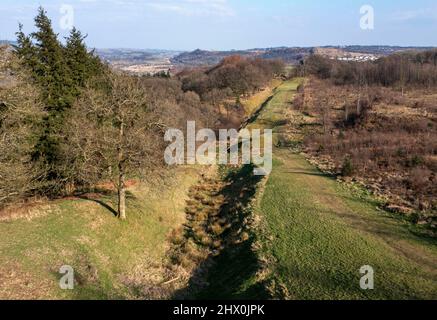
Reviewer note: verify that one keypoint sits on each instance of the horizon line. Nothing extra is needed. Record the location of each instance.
(254, 48)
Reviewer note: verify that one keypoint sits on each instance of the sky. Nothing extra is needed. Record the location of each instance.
(231, 24)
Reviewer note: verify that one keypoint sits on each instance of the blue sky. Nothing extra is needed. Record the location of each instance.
(232, 24)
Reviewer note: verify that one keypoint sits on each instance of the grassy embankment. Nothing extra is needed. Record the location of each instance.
(252, 103)
(111, 259)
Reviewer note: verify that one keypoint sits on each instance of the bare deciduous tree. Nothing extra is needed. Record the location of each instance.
(20, 115)
(116, 134)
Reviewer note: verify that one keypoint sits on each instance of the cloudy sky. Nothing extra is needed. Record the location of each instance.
(230, 24)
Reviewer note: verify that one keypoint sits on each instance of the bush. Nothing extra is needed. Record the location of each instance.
(347, 169)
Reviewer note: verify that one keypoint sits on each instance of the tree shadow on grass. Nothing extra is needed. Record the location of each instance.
(231, 272)
(310, 173)
(101, 203)
(98, 196)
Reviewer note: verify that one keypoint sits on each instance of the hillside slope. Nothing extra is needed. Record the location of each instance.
(111, 259)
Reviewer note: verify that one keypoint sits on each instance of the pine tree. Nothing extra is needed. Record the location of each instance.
(52, 75)
(25, 48)
(82, 64)
(60, 72)
(78, 58)
(51, 71)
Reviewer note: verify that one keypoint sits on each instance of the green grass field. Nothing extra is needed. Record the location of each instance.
(320, 233)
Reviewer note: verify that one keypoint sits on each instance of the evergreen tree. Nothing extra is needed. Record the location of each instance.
(82, 64)
(78, 58)
(52, 74)
(25, 48)
(60, 72)
(51, 71)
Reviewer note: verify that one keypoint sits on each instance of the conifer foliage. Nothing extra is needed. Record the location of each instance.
(60, 71)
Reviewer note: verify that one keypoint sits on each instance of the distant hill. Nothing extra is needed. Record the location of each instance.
(7, 42)
(382, 50)
(289, 55)
(135, 55)
(202, 57)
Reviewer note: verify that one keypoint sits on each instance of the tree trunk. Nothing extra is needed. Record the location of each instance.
(121, 197)
(359, 105)
(121, 177)
(346, 113)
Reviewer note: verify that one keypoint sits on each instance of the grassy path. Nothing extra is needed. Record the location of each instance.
(320, 235)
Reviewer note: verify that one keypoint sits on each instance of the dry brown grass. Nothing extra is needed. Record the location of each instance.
(18, 284)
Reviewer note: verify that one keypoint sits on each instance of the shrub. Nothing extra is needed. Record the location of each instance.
(347, 168)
